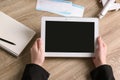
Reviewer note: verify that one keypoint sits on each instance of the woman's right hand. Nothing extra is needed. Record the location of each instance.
(101, 53)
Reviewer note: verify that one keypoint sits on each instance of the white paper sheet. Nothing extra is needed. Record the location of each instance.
(64, 8)
(53, 5)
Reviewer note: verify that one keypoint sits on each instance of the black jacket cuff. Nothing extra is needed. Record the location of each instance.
(35, 72)
(103, 72)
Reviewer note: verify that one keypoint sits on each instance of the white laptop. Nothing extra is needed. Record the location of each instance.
(69, 37)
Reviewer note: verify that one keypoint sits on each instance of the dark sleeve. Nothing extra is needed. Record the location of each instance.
(35, 72)
(103, 72)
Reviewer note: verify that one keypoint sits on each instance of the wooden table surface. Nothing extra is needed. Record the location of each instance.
(11, 68)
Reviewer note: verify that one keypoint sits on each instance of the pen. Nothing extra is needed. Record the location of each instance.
(106, 8)
(7, 41)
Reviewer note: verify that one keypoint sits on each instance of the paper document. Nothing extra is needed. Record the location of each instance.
(61, 7)
(53, 6)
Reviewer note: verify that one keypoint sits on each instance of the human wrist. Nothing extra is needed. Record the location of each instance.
(37, 63)
(100, 63)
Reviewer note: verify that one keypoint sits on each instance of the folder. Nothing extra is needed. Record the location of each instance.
(16, 32)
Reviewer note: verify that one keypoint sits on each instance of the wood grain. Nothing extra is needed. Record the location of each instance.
(12, 68)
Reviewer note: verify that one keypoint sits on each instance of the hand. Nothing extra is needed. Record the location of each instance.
(37, 54)
(101, 53)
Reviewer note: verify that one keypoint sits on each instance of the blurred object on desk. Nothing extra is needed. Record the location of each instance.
(64, 8)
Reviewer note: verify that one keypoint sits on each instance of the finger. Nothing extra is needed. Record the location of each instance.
(100, 45)
(35, 45)
(41, 43)
(41, 47)
(38, 43)
(103, 43)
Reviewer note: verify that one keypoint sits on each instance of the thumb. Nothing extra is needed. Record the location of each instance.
(99, 43)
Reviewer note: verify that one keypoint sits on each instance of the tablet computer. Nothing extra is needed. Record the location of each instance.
(69, 37)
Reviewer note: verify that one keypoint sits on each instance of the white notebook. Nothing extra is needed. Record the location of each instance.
(15, 32)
